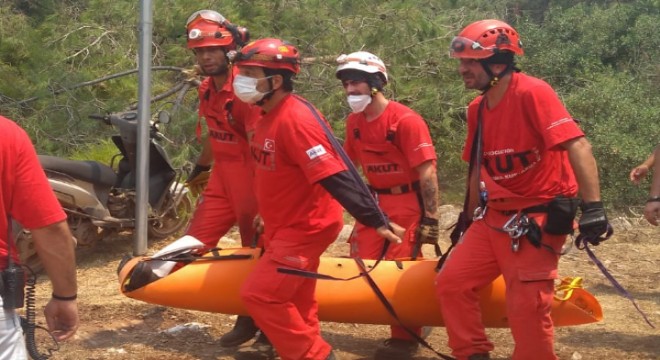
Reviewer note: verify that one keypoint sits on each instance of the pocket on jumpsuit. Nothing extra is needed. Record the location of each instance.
(537, 275)
(537, 288)
(286, 285)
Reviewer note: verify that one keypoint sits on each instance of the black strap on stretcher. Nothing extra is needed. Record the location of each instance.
(364, 272)
(215, 256)
(390, 309)
(189, 257)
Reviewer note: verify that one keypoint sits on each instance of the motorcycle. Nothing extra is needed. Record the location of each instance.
(100, 199)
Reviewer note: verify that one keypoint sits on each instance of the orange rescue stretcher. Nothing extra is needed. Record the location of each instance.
(213, 286)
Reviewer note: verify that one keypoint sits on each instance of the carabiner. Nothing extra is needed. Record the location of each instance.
(516, 226)
(479, 213)
(515, 244)
(511, 225)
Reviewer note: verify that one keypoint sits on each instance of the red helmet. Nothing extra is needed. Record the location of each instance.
(485, 38)
(271, 54)
(208, 28)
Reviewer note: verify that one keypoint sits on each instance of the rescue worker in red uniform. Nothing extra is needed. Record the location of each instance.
(652, 208)
(300, 182)
(26, 196)
(528, 166)
(229, 197)
(393, 146)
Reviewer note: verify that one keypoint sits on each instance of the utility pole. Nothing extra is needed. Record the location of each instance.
(144, 115)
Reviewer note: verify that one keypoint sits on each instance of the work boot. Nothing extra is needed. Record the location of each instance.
(243, 331)
(482, 356)
(261, 349)
(396, 349)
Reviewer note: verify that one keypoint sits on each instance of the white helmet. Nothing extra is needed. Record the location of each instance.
(362, 61)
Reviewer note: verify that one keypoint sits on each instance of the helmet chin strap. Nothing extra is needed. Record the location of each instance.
(269, 94)
(494, 78)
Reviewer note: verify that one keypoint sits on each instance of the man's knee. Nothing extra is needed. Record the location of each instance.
(249, 295)
(448, 284)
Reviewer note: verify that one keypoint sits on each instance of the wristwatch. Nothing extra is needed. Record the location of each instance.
(653, 199)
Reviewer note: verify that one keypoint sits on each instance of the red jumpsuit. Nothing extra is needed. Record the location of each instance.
(523, 165)
(228, 198)
(388, 149)
(301, 220)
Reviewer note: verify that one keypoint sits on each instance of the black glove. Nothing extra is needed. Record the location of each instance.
(428, 231)
(198, 169)
(593, 222)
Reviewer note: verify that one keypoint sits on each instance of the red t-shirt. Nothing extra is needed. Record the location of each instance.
(521, 137)
(25, 194)
(412, 134)
(292, 153)
(228, 119)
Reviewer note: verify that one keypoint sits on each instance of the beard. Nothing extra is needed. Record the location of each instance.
(219, 71)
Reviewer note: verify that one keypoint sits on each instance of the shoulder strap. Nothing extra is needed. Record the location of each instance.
(476, 155)
(391, 132)
(351, 169)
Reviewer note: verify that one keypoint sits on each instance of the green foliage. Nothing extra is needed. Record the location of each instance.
(101, 151)
(620, 118)
(600, 56)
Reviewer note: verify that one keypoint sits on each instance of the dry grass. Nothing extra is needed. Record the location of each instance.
(116, 327)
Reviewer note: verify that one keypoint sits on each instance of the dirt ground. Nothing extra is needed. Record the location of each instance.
(116, 327)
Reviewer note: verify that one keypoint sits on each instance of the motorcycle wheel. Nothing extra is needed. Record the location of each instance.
(173, 221)
(83, 230)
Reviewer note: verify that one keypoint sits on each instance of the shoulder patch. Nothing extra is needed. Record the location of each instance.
(315, 152)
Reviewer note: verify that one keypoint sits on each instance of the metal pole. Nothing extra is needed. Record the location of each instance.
(144, 115)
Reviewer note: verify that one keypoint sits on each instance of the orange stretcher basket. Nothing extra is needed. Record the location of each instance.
(213, 286)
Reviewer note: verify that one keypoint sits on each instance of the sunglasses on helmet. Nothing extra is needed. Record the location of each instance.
(208, 15)
(462, 47)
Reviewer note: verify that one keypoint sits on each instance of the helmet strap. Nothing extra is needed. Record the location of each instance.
(239, 39)
(495, 78)
(269, 94)
(375, 82)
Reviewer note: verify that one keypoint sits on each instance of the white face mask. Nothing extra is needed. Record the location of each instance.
(245, 88)
(358, 102)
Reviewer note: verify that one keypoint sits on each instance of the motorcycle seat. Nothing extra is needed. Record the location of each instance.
(90, 171)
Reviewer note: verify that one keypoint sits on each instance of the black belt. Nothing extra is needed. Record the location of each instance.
(396, 190)
(529, 210)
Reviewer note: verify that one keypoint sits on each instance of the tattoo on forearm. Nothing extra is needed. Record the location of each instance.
(430, 195)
